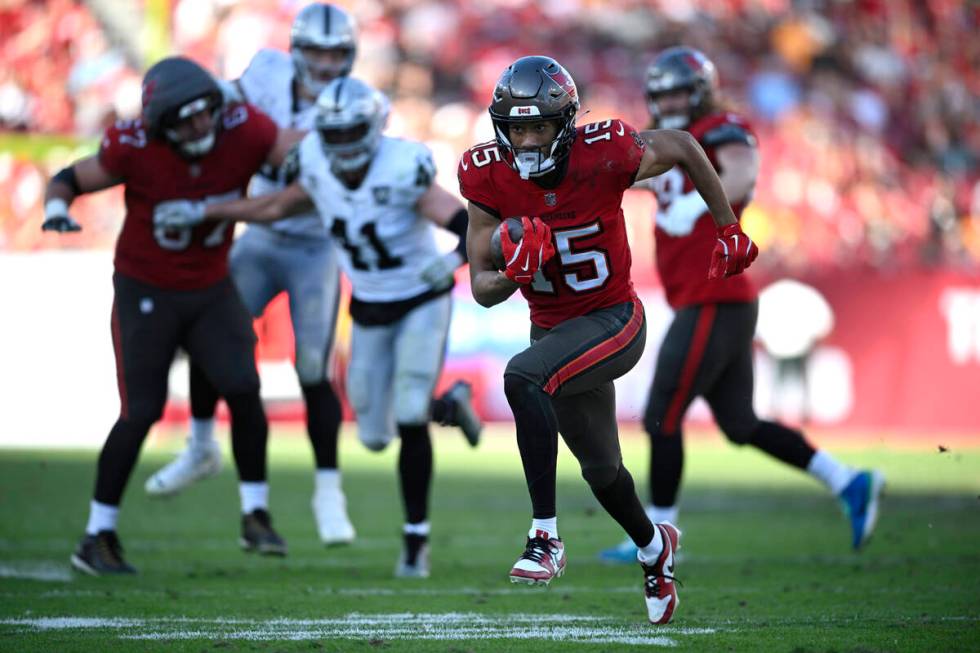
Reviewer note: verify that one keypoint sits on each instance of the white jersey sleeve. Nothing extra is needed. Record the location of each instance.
(382, 241)
(268, 84)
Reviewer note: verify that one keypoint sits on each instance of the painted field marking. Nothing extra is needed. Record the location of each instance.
(401, 626)
(44, 571)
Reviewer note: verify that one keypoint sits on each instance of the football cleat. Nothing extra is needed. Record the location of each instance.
(622, 553)
(330, 513)
(414, 559)
(461, 412)
(542, 560)
(192, 464)
(659, 588)
(258, 535)
(101, 555)
(860, 502)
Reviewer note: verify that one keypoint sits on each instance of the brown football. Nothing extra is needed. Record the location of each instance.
(516, 232)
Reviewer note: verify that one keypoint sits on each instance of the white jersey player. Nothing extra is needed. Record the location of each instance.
(292, 256)
(377, 198)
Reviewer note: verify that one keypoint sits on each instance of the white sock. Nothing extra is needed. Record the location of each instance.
(421, 528)
(835, 475)
(548, 526)
(652, 551)
(658, 514)
(254, 495)
(101, 517)
(326, 479)
(202, 432)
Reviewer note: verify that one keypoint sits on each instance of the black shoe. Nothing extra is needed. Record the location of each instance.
(257, 534)
(414, 559)
(101, 555)
(460, 412)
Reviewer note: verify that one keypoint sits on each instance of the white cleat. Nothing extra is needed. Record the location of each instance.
(330, 513)
(659, 588)
(192, 464)
(543, 559)
(414, 559)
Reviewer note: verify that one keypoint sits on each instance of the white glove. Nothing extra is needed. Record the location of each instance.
(681, 214)
(440, 271)
(178, 214)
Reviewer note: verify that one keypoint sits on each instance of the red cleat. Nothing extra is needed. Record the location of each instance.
(542, 560)
(659, 588)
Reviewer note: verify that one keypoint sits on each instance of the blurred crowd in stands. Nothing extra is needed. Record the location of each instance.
(868, 111)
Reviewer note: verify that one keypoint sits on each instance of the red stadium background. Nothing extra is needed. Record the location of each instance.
(867, 113)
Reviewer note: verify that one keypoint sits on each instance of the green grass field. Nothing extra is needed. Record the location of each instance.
(766, 566)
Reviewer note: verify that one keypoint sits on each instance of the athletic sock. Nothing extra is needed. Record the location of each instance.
(202, 432)
(421, 528)
(658, 514)
(254, 496)
(326, 479)
(547, 526)
(652, 551)
(101, 517)
(829, 471)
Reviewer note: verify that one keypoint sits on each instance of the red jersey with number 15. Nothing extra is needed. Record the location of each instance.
(153, 172)
(591, 266)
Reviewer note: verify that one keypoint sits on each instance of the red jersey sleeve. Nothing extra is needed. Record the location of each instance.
(120, 142)
(473, 172)
(251, 126)
(628, 148)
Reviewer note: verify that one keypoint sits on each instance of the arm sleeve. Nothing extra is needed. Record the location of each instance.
(113, 153)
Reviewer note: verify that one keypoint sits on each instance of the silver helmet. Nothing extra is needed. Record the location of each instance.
(174, 89)
(350, 115)
(681, 69)
(323, 27)
(530, 90)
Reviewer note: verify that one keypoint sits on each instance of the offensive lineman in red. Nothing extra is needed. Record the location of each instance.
(707, 350)
(171, 285)
(573, 267)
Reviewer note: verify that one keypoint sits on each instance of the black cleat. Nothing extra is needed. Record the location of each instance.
(257, 534)
(459, 399)
(101, 555)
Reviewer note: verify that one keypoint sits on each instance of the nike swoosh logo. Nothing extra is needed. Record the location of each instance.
(527, 263)
(465, 166)
(620, 130)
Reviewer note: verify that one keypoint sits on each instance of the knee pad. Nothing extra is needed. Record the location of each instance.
(374, 441)
(412, 399)
(517, 388)
(600, 475)
(311, 365)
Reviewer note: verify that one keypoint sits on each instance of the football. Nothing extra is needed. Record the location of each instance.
(516, 232)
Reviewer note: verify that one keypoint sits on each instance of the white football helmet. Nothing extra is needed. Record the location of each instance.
(324, 27)
(350, 115)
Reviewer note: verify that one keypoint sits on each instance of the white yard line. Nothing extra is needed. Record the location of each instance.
(45, 571)
(400, 626)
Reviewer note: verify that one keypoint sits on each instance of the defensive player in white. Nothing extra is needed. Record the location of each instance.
(292, 256)
(377, 197)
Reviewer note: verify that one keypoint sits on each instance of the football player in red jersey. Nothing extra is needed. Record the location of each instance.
(707, 350)
(573, 267)
(171, 285)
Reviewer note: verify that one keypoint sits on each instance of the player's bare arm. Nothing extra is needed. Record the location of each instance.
(739, 168)
(291, 200)
(670, 147)
(444, 209)
(489, 285)
(84, 176)
(285, 140)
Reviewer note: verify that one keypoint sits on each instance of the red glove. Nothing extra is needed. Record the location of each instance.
(733, 252)
(525, 257)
